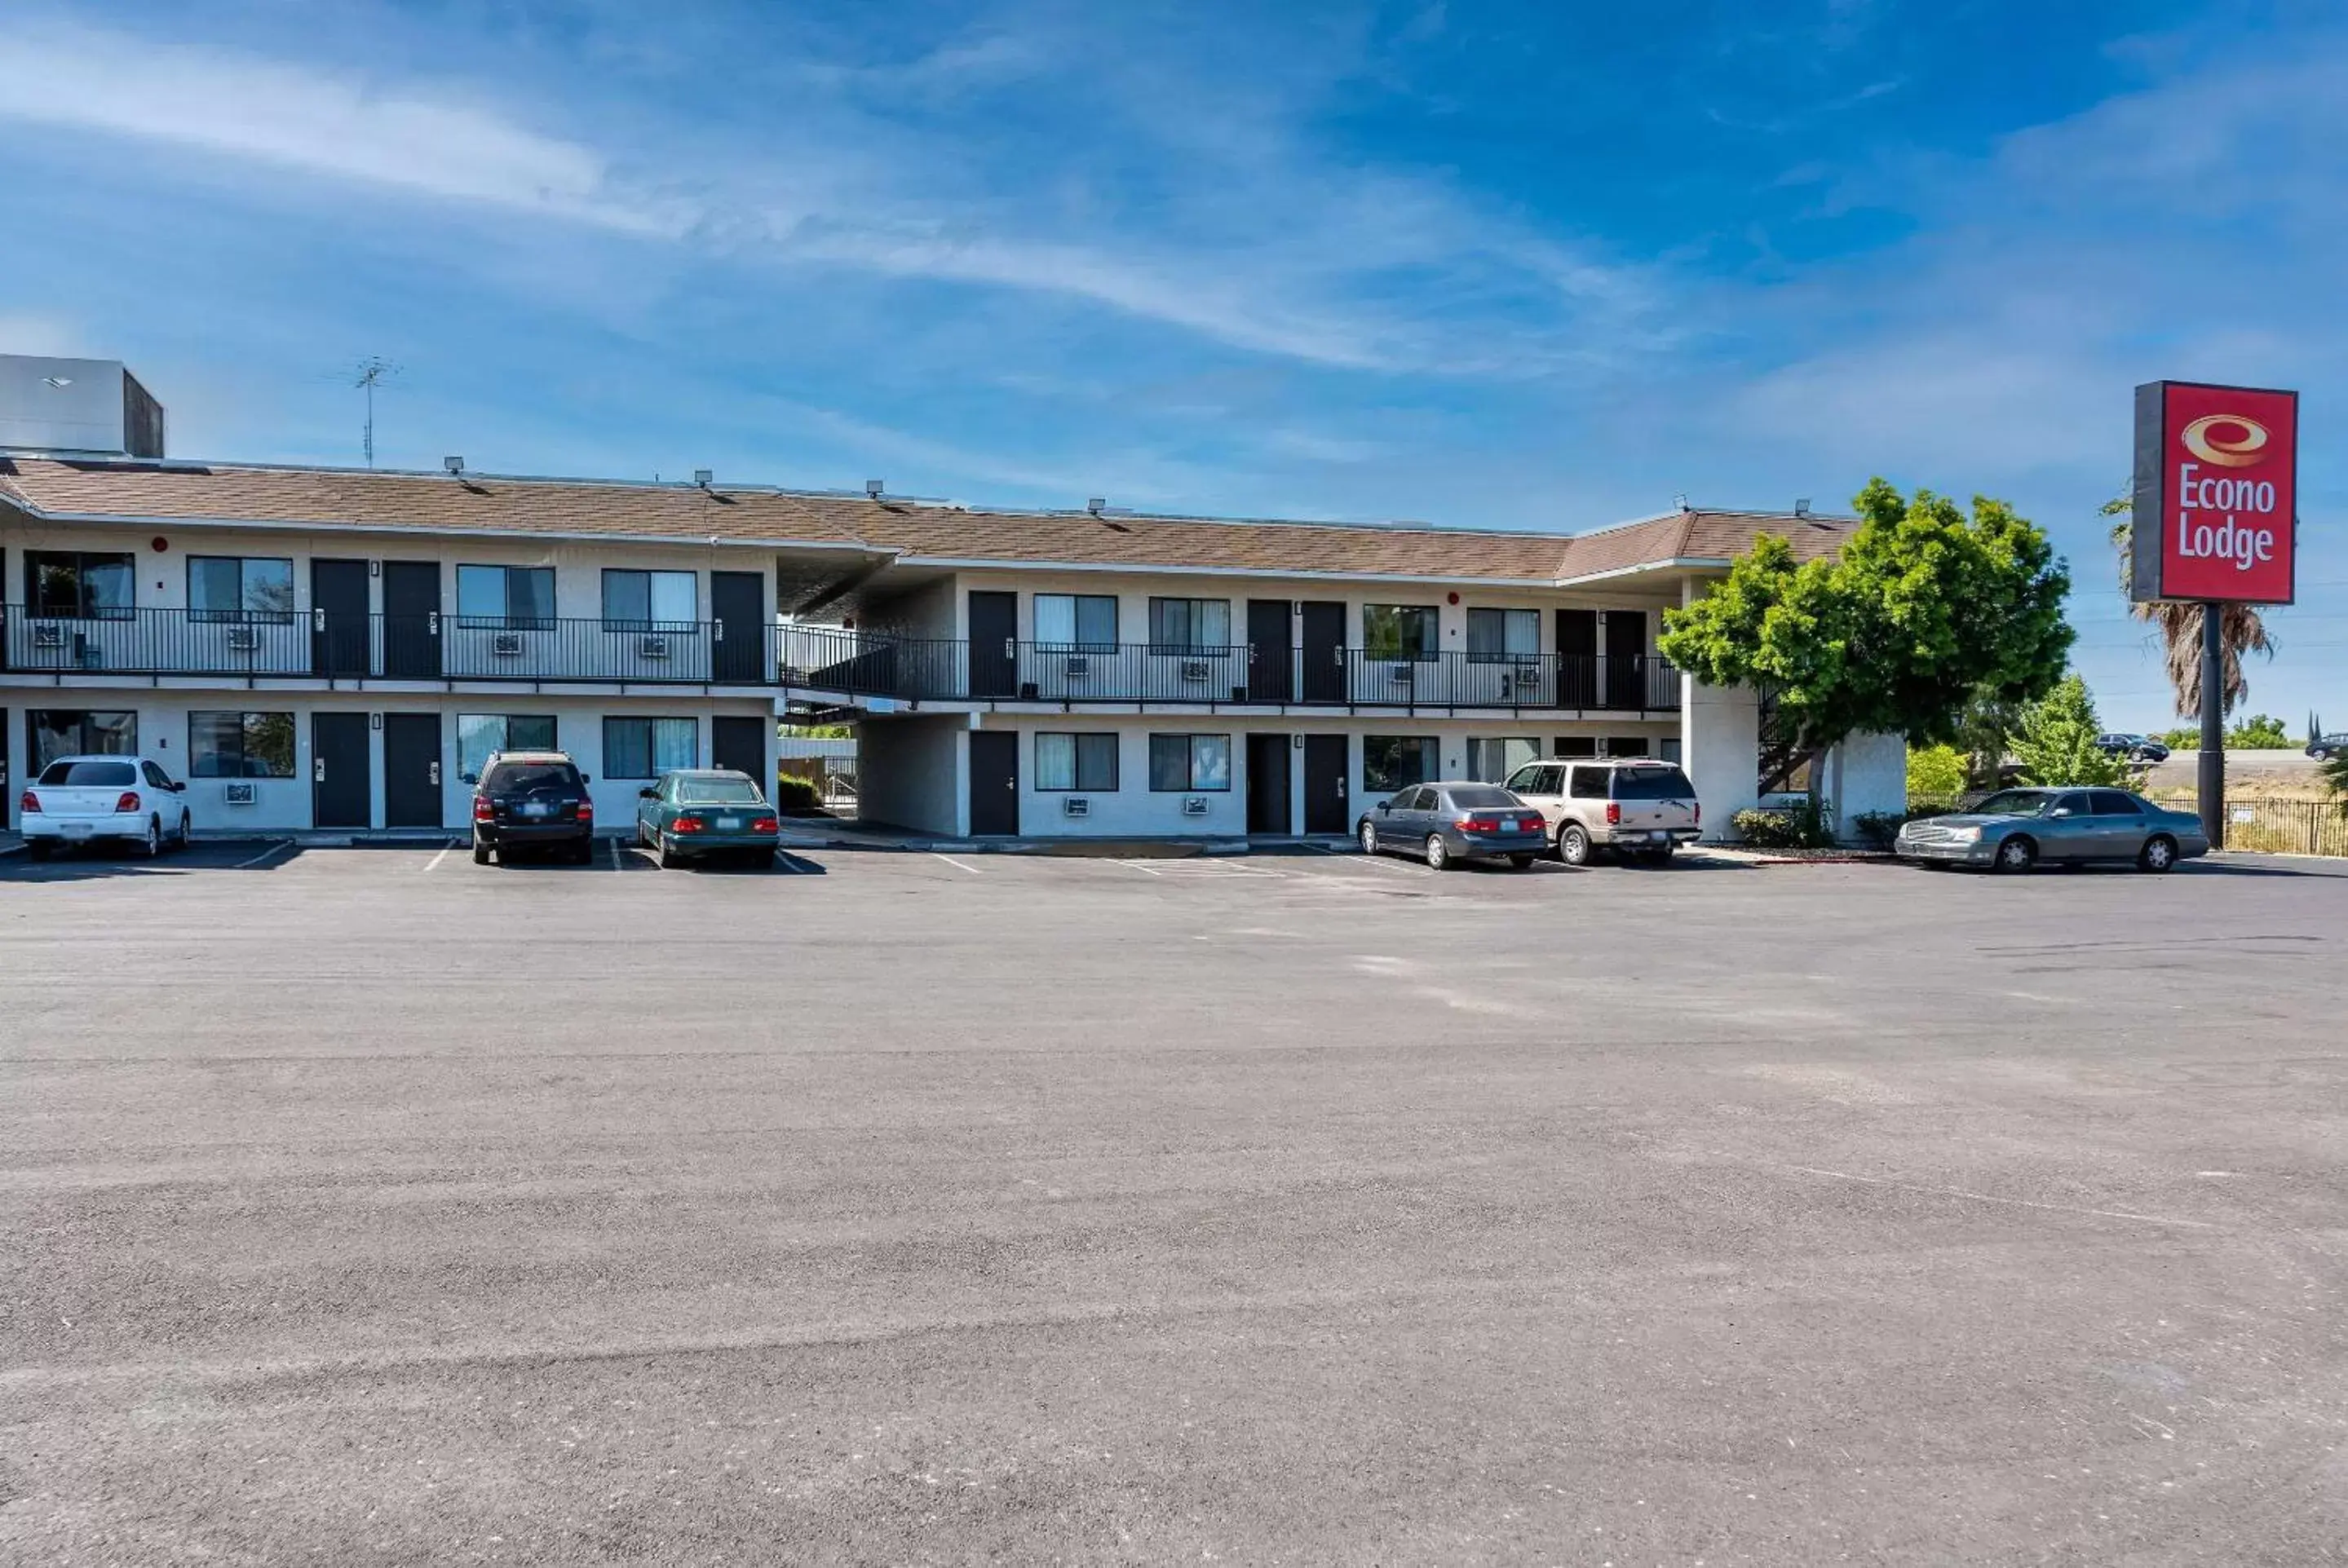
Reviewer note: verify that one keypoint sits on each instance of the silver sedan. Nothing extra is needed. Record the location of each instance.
(2016, 829)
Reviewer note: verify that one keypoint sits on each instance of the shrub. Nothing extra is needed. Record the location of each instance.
(2258, 732)
(795, 794)
(1802, 827)
(2055, 743)
(1879, 828)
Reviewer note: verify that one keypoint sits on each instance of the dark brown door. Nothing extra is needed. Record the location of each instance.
(994, 638)
(339, 618)
(1271, 653)
(411, 766)
(1320, 652)
(1626, 658)
(993, 781)
(411, 621)
(1328, 799)
(1576, 658)
(737, 607)
(1267, 783)
(739, 741)
(341, 782)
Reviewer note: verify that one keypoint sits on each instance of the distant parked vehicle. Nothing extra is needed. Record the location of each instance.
(531, 800)
(703, 814)
(2135, 748)
(1449, 823)
(2016, 829)
(1632, 805)
(2323, 748)
(92, 800)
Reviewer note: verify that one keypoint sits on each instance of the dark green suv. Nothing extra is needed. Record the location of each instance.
(532, 800)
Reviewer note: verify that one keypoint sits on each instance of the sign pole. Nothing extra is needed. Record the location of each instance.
(2212, 790)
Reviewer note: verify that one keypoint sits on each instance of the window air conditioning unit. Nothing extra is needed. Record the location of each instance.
(1194, 805)
(651, 647)
(506, 644)
(1076, 805)
(240, 794)
(1080, 668)
(244, 640)
(1194, 669)
(49, 636)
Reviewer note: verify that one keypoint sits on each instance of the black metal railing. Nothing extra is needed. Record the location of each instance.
(878, 664)
(428, 647)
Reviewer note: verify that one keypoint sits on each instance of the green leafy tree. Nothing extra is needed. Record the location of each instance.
(2055, 741)
(2258, 732)
(1936, 772)
(2336, 779)
(1925, 612)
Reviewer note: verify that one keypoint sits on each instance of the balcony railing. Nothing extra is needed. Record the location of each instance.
(430, 647)
(868, 664)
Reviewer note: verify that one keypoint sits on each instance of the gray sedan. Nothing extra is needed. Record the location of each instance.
(2015, 829)
(1449, 823)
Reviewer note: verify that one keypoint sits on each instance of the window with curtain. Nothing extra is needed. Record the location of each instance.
(650, 600)
(1074, 762)
(1199, 763)
(240, 588)
(1399, 631)
(506, 598)
(1493, 760)
(478, 734)
(239, 745)
(79, 585)
(1503, 636)
(79, 733)
(1390, 762)
(1075, 622)
(1189, 625)
(647, 748)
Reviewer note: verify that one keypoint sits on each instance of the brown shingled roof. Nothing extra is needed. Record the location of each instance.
(364, 498)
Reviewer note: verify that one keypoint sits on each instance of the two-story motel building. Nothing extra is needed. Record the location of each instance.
(338, 649)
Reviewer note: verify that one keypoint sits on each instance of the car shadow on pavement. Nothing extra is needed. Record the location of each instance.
(90, 865)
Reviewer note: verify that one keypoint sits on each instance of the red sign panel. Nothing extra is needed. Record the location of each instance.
(2216, 492)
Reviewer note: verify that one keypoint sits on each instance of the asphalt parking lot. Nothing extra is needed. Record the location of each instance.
(369, 1207)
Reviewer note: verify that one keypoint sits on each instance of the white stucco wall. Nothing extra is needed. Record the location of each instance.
(1720, 746)
(1867, 774)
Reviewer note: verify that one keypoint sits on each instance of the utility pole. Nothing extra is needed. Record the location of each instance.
(372, 372)
(2212, 780)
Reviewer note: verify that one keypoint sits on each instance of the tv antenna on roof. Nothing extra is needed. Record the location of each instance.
(373, 372)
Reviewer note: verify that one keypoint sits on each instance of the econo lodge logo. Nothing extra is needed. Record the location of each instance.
(2224, 441)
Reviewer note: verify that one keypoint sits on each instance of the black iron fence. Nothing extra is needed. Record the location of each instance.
(430, 647)
(867, 664)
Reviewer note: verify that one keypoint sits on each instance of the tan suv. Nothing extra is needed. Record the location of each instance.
(1632, 805)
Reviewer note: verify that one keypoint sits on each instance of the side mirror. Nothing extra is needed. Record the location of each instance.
(468, 778)
(2060, 810)
(586, 778)
(649, 793)
(1383, 807)
(179, 787)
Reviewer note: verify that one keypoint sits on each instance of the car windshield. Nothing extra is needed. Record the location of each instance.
(531, 778)
(2016, 803)
(1482, 797)
(717, 792)
(96, 775)
(1651, 784)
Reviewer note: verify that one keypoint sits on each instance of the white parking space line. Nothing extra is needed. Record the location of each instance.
(1137, 866)
(446, 850)
(277, 848)
(957, 864)
(616, 853)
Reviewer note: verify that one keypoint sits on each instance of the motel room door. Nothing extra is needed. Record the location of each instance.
(993, 783)
(1267, 784)
(1328, 803)
(411, 770)
(341, 782)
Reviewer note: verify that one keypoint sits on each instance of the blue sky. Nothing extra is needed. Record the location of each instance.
(1539, 265)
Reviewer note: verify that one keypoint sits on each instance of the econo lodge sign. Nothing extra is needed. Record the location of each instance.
(2216, 492)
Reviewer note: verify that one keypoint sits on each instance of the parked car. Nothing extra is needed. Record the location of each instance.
(531, 800)
(1632, 805)
(92, 800)
(2015, 829)
(2135, 748)
(2323, 748)
(703, 813)
(1449, 823)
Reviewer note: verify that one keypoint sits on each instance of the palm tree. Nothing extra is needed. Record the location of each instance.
(2179, 625)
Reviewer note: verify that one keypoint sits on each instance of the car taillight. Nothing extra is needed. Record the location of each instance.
(29, 802)
(1472, 825)
(1614, 813)
(1699, 814)
(586, 811)
(687, 825)
(1532, 823)
(128, 804)
(482, 810)
(765, 824)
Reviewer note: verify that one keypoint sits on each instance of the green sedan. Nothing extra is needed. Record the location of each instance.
(708, 814)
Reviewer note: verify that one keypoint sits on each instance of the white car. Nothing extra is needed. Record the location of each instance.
(81, 800)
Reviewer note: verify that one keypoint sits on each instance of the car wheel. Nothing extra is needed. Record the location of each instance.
(1438, 854)
(2158, 855)
(186, 829)
(2016, 854)
(480, 853)
(1369, 838)
(1574, 845)
(665, 854)
(1520, 862)
(153, 846)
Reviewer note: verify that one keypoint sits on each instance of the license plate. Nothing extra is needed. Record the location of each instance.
(536, 810)
(1659, 838)
(729, 824)
(76, 829)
